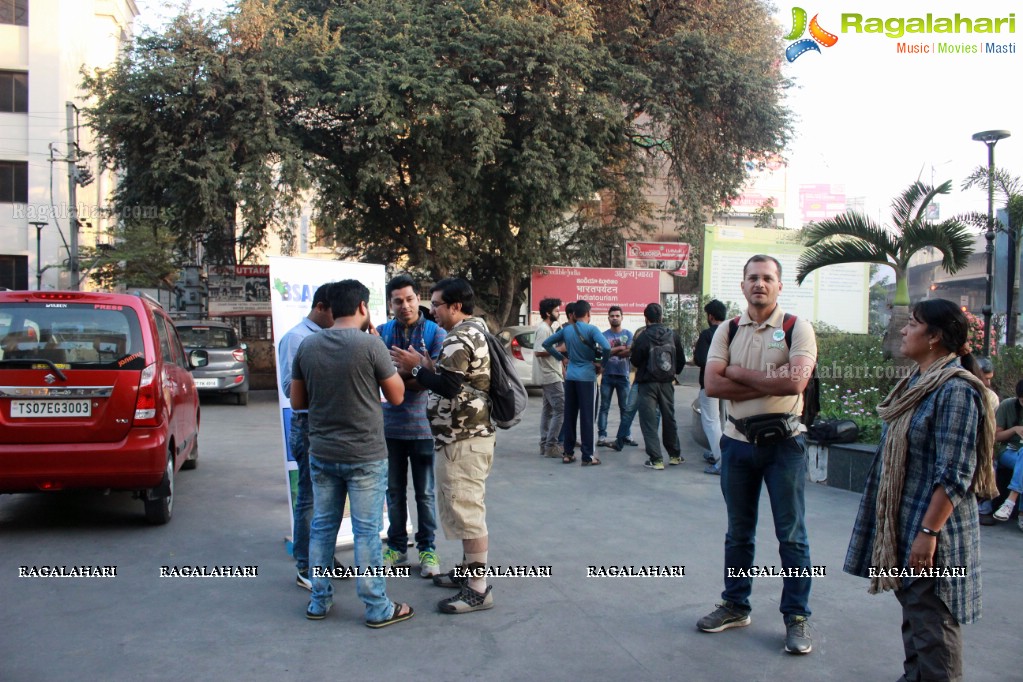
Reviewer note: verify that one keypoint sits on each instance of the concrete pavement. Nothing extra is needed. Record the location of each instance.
(232, 510)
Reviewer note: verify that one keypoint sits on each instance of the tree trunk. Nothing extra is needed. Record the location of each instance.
(893, 336)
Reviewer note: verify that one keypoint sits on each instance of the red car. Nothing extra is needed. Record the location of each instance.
(95, 392)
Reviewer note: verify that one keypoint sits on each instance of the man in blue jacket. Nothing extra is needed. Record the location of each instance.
(586, 346)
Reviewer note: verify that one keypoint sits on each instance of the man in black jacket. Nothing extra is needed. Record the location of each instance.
(710, 408)
(658, 356)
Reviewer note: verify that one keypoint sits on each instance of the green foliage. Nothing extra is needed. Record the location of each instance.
(1008, 365)
(685, 315)
(854, 378)
(141, 256)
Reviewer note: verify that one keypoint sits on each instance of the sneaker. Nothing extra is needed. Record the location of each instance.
(629, 441)
(429, 566)
(393, 557)
(797, 635)
(603, 443)
(676, 460)
(722, 618)
(302, 580)
(650, 464)
(713, 470)
(1005, 511)
(449, 579)
(315, 612)
(467, 600)
(709, 456)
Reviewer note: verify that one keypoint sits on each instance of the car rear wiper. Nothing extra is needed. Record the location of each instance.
(32, 361)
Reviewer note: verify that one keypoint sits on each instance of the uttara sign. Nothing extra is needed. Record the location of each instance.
(671, 256)
(631, 289)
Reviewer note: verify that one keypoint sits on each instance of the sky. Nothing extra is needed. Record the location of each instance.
(872, 120)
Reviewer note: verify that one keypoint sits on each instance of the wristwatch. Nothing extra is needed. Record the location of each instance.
(928, 531)
(415, 371)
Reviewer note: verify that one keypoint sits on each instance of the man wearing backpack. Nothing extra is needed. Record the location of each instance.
(459, 411)
(762, 375)
(658, 356)
(407, 430)
(586, 346)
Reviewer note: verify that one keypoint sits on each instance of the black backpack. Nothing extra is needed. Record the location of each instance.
(829, 431)
(812, 392)
(507, 393)
(660, 363)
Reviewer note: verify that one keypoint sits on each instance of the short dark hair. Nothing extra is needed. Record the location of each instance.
(321, 295)
(614, 308)
(570, 309)
(582, 308)
(345, 297)
(762, 258)
(547, 305)
(653, 313)
(985, 365)
(456, 290)
(716, 309)
(399, 282)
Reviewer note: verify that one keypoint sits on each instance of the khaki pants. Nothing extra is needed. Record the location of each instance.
(462, 470)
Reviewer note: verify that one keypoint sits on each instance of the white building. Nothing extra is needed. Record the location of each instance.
(44, 45)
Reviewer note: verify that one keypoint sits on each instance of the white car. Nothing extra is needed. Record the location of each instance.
(519, 342)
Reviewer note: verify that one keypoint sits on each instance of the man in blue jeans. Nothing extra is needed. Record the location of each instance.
(319, 317)
(585, 346)
(407, 429)
(760, 375)
(615, 377)
(338, 375)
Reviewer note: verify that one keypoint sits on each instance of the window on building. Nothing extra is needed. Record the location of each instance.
(14, 272)
(14, 12)
(13, 91)
(13, 182)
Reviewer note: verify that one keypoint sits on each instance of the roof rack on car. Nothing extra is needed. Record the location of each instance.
(154, 301)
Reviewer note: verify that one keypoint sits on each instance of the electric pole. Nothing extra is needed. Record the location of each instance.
(72, 192)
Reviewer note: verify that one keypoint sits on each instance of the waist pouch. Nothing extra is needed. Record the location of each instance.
(766, 429)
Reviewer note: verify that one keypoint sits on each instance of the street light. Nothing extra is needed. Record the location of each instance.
(39, 263)
(990, 138)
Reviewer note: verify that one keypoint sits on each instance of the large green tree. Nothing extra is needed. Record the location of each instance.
(855, 238)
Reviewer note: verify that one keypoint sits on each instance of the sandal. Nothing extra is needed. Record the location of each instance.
(396, 617)
(591, 462)
(567, 459)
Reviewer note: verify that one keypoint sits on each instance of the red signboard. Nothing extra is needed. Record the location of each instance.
(630, 289)
(670, 256)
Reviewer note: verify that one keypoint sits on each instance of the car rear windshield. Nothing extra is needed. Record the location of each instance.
(200, 336)
(70, 335)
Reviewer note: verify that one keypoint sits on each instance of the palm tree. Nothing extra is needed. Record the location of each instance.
(854, 238)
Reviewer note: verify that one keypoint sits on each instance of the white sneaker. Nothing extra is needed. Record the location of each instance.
(1005, 511)
(429, 564)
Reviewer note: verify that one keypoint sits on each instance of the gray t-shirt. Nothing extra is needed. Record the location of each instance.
(341, 369)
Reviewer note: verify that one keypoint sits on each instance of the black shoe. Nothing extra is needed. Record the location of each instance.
(630, 441)
(987, 520)
(722, 618)
(797, 635)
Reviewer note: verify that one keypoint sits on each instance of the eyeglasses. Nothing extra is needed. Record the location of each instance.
(434, 304)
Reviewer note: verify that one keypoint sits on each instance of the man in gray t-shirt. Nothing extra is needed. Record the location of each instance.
(338, 375)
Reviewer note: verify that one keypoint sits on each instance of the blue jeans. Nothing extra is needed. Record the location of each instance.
(612, 384)
(364, 484)
(1012, 459)
(302, 514)
(631, 407)
(400, 454)
(579, 405)
(744, 470)
(657, 404)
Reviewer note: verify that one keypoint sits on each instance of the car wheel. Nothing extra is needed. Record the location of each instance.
(243, 398)
(158, 509)
(193, 459)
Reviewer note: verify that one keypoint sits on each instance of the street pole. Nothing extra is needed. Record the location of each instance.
(990, 138)
(39, 263)
(72, 193)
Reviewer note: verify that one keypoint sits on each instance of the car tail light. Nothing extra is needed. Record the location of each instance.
(516, 349)
(238, 354)
(145, 404)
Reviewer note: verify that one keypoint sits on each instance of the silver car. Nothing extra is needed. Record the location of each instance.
(228, 369)
(519, 342)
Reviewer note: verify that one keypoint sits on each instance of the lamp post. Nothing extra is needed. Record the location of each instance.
(39, 263)
(990, 138)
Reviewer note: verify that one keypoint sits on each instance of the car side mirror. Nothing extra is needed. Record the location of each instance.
(245, 346)
(198, 358)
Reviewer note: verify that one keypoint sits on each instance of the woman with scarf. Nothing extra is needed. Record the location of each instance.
(917, 530)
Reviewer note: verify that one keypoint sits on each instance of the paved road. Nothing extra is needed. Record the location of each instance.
(232, 510)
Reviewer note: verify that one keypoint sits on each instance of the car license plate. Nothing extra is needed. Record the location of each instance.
(51, 408)
(205, 383)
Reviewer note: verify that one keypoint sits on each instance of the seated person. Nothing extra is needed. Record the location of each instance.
(1009, 437)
